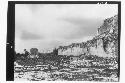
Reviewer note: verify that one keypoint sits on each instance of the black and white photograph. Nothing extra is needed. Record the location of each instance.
(66, 41)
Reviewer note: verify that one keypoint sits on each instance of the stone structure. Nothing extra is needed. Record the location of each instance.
(105, 44)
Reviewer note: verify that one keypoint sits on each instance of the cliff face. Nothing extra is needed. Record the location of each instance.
(105, 44)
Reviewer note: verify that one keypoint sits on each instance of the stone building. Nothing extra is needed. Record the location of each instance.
(104, 44)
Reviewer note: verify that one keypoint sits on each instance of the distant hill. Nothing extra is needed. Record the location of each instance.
(105, 44)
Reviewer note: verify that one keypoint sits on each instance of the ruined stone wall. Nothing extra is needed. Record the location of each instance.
(104, 44)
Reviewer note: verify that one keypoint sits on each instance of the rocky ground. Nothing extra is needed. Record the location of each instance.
(87, 69)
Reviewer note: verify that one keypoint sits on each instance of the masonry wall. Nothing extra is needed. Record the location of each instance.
(105, 44)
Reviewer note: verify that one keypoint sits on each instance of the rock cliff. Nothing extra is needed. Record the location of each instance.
(105, 44)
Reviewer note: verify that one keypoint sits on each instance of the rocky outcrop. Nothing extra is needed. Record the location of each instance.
(105, 44)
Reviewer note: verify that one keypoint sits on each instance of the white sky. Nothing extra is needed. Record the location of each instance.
(48, 26)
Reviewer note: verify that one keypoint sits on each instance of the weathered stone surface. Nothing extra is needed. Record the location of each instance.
(105, 44)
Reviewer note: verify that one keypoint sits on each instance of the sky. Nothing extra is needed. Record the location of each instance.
(47, 26)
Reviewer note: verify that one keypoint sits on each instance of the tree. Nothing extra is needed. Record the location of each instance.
(55, 51)
(34, 51)
(26, 52)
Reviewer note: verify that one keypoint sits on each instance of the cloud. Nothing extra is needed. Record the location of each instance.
(49, 23)
(30, 36)
(84, 27)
